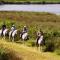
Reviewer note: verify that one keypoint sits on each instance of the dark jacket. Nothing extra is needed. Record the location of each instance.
(3, 27)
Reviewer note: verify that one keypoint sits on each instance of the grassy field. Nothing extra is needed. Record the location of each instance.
(47, 22)
(31, 0)
(22, 52)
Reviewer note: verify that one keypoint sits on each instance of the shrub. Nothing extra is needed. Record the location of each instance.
(52, 41)
(3, 54)
(58, 51)
(50, 47)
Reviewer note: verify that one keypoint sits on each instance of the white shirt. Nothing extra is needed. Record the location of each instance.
(12, 28)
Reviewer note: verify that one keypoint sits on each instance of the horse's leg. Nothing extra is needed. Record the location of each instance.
(23, 41)
(4, 37)
(20, 36)
(13, 39)
(36, 45)
(39, 47)
(0, 34)
(9, 38)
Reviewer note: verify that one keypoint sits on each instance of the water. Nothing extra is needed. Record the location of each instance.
(52, 8)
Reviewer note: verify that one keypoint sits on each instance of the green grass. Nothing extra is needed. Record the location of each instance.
(32, 0)
(47, 22)
(34, 21)
(22, 52)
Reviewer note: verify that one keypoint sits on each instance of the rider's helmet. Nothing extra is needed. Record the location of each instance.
(24, 26)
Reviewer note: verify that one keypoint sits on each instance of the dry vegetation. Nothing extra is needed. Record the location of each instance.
(49, 23)
(21, 52)
(31, 0)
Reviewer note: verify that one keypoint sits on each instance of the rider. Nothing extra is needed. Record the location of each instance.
(24, 30)
(13, 28)
(39, 33)
(3, 27)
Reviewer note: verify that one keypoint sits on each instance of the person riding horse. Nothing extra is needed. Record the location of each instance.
(24, 30)
(39, 34)
(3, 28)
(12, 32)
(13, 28)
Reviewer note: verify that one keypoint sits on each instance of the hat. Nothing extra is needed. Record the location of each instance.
(24, 26)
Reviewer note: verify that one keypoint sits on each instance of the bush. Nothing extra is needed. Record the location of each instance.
(58, 51)
(3, 54)
(50, 47)
(52, 41)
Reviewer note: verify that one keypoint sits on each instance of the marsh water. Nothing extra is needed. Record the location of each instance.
(52, 8)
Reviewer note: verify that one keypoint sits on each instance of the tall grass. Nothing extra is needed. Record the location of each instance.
(31, 0)
(47, 22)
(22, 52)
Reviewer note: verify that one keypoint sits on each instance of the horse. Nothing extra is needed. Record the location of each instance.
(40, 41)
(0, 32)
(5, 32)
(12, 34)
(24, 36)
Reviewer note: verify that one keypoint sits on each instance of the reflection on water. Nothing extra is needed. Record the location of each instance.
(52, 8)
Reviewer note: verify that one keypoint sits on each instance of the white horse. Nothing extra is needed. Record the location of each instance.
(40, 42)
(5, 32)
(12, 34)
(0, 32)
(24, 36)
